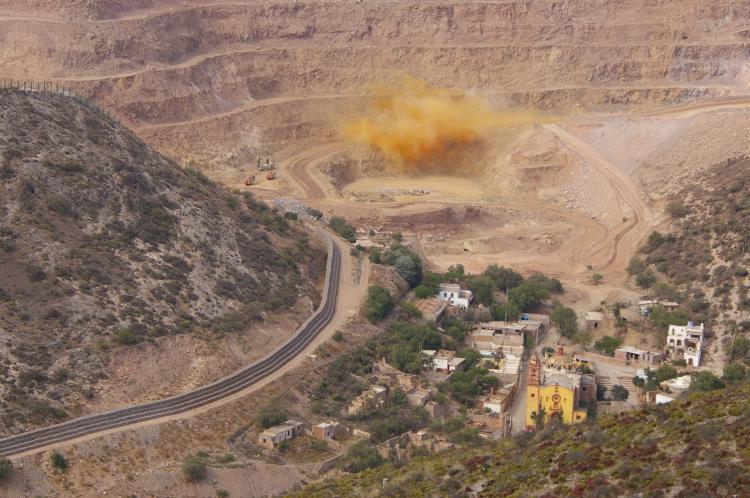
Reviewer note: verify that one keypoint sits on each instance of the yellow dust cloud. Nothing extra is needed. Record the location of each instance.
(415, 126)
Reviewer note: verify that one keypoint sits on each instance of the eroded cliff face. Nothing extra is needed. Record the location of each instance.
(275, 72)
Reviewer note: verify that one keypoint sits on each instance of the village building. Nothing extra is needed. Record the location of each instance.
(594, 320)
(432, 308)
(645, 306)
(443, 360)
(497, 401)
(326, 430)
(686, 342)
(630, 354)
(368, 400)
(455, 295)
(273, 436)
(556, 388)
(491, 426)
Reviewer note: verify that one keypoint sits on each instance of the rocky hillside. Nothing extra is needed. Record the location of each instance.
(702, 259)
(104, 244)
(696, 447)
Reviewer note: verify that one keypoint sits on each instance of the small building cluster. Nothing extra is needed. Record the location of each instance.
(686, 342)
(443, 360)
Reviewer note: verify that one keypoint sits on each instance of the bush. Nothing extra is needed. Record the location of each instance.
(645, 279)
(222, 493)
(619, 393)
(338, 336)
(677, 210)
(566, 320)
(379, 303)
(527, 296)
(422, 292)
(6, 467)
(705, 381)
(636, 265)
(232, 202)
(126, 337)
(734, 373)
(58, 461)
(344, 229)
(269, 416)
(607, 345)
(362, 456)
(409, 310)
(408, 269)
(194, 468)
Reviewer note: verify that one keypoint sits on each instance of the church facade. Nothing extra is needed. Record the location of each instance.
(556, 388)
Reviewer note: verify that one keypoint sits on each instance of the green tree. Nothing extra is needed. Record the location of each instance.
(607, 345)
(734, 373)
(528, 296)
(379, 303)
(422, 292)
(407, 268)
(619, 393)
(483, 289)
(551, 285)
(636, 265)
(705, 381)
(509, 311)
(645, 279)
(503, 278)
(58, 461)
(6, 467)
(455, 273)
(408, 310)
(539, 418)
(194, 468)
(566, 320)
(664, 372)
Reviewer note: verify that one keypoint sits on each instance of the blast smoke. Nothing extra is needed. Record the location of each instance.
(418, 127)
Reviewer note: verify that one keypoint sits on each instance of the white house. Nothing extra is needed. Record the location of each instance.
(444, 360)
(686, 341)
(455, 296)
(273, 436)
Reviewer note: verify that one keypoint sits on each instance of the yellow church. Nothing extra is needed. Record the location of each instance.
(555, 388)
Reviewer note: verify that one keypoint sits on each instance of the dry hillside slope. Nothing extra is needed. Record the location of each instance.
(105, 244)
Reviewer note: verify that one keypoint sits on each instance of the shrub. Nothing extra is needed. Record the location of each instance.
(705, 381)
(734, 373)
(6, 467)
(270, 416)
(645, 279)
(226, 458)
(126, 337)
(58, 461)
(607, 345)
(362, 456)
(566, 320)
(422, 292)
(619, 393)
(232, 202)
(318, 445)
(379, 303)
(338, 336)
(194, 468)
(344, 229)
(677, 210)
(636, 265)
(409, 310)
(596, 278)
(222, 493)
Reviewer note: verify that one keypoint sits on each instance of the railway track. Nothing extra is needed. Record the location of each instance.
(175, 405)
